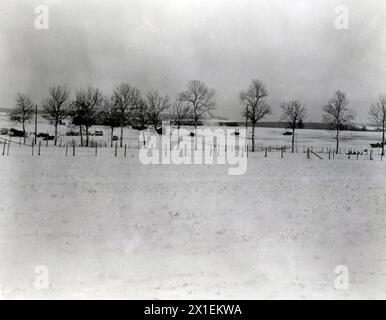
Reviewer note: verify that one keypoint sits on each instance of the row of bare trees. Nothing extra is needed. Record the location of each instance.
(336, 113)
(125, 106)
(256, 108)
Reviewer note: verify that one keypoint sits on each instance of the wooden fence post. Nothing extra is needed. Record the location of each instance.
(32, 146)
(308, 153)
(40, 143)
(116, 148)
(266, 152)
(66, 148)
(125, 150)
(5, 142)
(96, 149)
(9, 144)
(73, 148)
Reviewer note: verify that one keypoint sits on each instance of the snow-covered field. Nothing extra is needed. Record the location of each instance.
(110, 227)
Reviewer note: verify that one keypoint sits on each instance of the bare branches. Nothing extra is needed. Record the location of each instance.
(24, 107)
(126, 99)
(23, 111)
(55, 107)
(293, 112)
(109, 113)
(377, 114)
(200, 98)
(180, 113)
(141, 115)
(253, 101)
(86, 108)
(109, 116)
(156, 105)
(255, 108)
(337, 114)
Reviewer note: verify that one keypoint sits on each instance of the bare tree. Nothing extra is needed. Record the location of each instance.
(126, 99)
(141, 117)
(255, 107)
(156, 105)
(200, 98)
(23, 111)
(180, 113)
(244, 113)
(55, 107)
(110, 116)
(337, 114)
(377, 113)
(294, 114)
(87, 109)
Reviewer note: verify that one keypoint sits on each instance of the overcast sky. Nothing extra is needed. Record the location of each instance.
(292, 46)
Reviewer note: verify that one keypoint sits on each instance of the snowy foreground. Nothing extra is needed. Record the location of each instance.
(109, 227)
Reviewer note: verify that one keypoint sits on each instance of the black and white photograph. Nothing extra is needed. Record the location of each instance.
(192, 150)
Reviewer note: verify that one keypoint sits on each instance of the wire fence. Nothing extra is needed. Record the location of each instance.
(72, 147)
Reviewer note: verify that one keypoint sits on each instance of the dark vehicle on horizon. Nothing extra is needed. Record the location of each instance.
(72, 133)
(42, 135)
(137, 127)
(98, 133)
(376, 145)
(16, 133)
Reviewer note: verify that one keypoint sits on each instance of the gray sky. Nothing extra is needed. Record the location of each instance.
(292, 46)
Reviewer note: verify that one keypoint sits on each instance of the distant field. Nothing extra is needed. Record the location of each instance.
(265, 137)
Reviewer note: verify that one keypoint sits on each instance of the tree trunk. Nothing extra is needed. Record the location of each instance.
(253, 137)
(112, 136)
(36, 123)
(121, 138)
(144, 138)
(81, 135)
(86, 136)
(337, 140)
(383, 140)
(195, 131)
(24, 137)
(293, 139)
(246, 121)
(56, 133)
